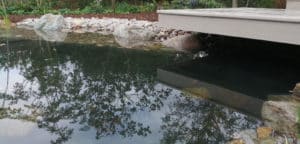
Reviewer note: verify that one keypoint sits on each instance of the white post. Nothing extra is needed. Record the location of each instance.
(293, 5)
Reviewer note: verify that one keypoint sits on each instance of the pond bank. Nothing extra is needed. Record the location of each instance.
(127, 32)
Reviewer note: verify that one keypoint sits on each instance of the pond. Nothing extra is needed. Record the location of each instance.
(90, 93)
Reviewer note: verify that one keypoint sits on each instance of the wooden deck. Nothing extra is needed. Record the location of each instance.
(276, 25)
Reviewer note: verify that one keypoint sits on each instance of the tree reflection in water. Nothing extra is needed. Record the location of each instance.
(192, 121)
(102, 88)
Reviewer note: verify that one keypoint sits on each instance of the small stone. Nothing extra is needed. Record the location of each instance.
(79, 31)
(249, 136)
(13, 24)
(236, 141)
(100, 45)
(268, 141)
(263, 132)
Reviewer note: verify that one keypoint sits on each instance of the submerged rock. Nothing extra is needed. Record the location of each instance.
(50, 22)
(262, 135)
(52, 36)
(281, 116)
(263, 132)
(130, 43)
(27, 23)
(188, 42)
(236, 141)
(247, 136)
(2, 44)
(296, 92)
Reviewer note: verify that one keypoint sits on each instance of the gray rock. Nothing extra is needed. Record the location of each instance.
(132, 35)
(131, 43)
(135, 32)
(2, 44)
(281, 116)
(27, 23)
(188, 42)
(52, 36)
(50, 22)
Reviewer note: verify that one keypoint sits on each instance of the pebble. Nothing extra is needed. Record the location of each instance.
(2, 44)
(236, 141)
(264, 132)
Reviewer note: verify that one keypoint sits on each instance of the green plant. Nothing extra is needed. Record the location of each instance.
(6, 22)
(148, 7)
(124, 7)
(266, 3)
(176, 4)
(210, 4)
(87, 10)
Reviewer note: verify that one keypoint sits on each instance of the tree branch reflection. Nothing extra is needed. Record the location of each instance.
(100, 88)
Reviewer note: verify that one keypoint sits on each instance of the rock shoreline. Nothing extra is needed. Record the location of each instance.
(129, 33)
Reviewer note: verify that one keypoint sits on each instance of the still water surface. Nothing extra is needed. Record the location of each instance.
(68, 93)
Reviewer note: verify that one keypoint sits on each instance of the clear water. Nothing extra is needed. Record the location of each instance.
(70, 93)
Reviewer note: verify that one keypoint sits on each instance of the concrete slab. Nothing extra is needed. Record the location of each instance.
(293, 5)
(277, 25)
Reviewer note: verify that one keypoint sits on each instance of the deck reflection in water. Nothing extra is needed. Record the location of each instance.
(242, 84)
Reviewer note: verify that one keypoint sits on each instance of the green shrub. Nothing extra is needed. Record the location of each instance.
(148, 7)
(179, 4)
(266, 3)
(122, 6)
(210, 4)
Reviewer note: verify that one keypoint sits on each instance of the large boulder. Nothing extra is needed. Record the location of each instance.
(52, 36)
(133, 32)
(50, 22)
(282, 116)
